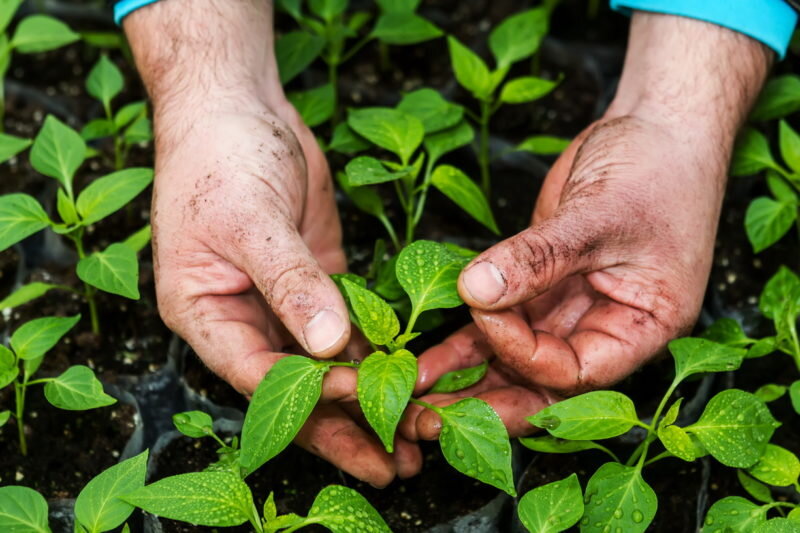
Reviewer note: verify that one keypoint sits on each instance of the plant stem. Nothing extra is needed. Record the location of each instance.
(423, 195)
(333, 79)
(385, 62)
(426, 405)
(390, 230)
(483, 148)
(119, 160)
(19, 396)
(39, 381)
(658, 457)
(88, 291)
(640, 452)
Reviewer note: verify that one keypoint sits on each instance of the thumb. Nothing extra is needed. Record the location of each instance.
(298, 291)
(534, 260)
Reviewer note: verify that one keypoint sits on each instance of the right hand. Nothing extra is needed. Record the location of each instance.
(245, 235)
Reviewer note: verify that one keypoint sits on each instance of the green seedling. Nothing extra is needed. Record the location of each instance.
(780, 303)
(57, 152)
(33, 34)
(423, 128)
(507, 49)
(127, 126)
(77, 389)
(734, 428)
(325, 32)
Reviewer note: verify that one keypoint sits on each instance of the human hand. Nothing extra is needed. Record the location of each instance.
(617, 257)
(245, 228)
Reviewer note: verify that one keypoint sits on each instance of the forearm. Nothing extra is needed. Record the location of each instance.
(204, 56)
(694, 75)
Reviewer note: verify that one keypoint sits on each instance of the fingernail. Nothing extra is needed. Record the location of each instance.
(485, 283)
(323, 331)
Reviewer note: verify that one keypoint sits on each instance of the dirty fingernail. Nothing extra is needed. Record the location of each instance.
(323, 331)
(485, 283)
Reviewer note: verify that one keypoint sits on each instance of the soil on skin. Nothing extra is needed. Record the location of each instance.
(434, 497)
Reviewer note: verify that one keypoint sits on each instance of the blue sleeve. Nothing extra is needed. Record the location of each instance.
(123, 8)
(769, 21)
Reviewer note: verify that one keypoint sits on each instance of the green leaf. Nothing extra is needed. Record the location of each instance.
(22, 510)
(443, 142)
(550, 444)
(279, 408)
(428, 272)
(365, 198)
(770, 392)
(104, 81)
(11, 146)
(58, 151)
(98, 507)
(343, 510)
(20, 216)
(114, 270)
(695, 356)
(138, 240)
(789, 143)
(406, 6)
(778, 467)
(327, 9)
(8, 367)
(98, 128)
(475, 442)
(77, 389)
(402, 28)
(779, 98)
(106, 195)
(365, 170)
(40, 33)
(767, 220)
(553, 507)
(195, 424)
(589, 416)
(128, 113)
(470, 70)
(376, 318)
(394, 130)
(794, 396)
(762, 347)
(727, 331)
(385, 383)
(7, 10)
(4, 416)
(794, 514)
(526, 89)
(454, 184)
(104, 39)
(25, 294)
(735, 428)
(139, 131)
(617, 498)
(460, 379)
(778, 525)
(294, 51)
(431, 109)
(754, 488)
(346, 141)
(518, 36)
(677, 442)
(66, 208)
(734, 514)
(780, 188)
(215, 499)
(35, 338)
(751, 154)
(292, 7)
(781, 292)
(315, 105)
(544, 145)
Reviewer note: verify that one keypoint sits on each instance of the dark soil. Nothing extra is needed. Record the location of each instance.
(434, 497)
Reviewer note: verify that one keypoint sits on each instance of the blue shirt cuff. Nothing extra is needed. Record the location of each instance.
(769, 21)
(123, 8)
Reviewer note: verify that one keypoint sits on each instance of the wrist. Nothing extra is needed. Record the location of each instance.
(696, 77)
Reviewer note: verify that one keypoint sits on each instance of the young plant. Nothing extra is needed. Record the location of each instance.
(422, 119)
(734, 428)
(507, 48)
(98, 507)
(324, 33)
(127, 126)
(778, 467)
(780, 303)
(33, 34)
(77, 389)
(57, 152)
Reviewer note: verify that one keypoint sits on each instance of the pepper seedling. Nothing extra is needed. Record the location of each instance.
(734, 428)
(57, 152)
(127, 126)
(77, 389)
